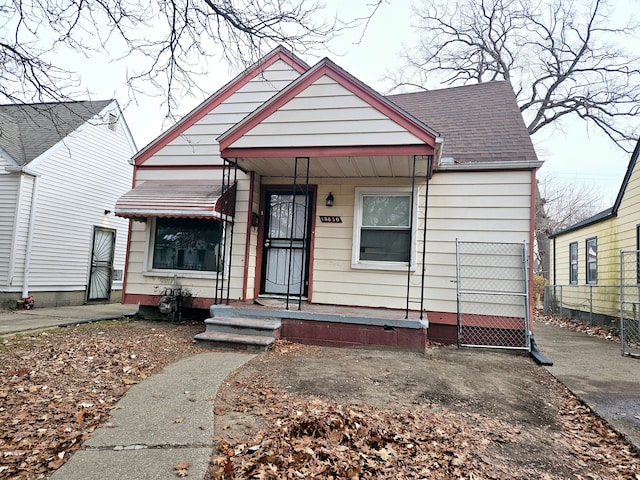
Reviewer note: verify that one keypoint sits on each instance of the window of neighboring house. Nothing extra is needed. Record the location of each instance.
(383, 228)
(592, 260)
(573, 262)
(186, 244)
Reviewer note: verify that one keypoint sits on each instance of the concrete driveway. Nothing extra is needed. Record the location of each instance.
(595, 371)
(38, 318)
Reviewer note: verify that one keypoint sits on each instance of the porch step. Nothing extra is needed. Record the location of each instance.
(251, 334)
(235, 341)
(245, 326)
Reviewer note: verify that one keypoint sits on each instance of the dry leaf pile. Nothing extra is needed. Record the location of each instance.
(57, 386)
(575, 326)
(308, 436)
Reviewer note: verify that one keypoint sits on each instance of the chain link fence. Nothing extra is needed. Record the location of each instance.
(588, 304)
(616, 307)
(630, 302)
(493, 295)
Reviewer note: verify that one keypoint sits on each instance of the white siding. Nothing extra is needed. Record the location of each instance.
(25, 198)
(8, 199)
(198, 145)
(80, 178)
(478, 206)
(142, 281)
(326, 114)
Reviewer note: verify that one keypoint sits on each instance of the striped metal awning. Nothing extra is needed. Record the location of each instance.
(173, 198)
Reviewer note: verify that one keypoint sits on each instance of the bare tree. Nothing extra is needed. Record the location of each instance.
(565, 203)
(168, 42)
(563, 58)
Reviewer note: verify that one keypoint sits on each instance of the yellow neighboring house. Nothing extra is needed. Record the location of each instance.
(586, 259)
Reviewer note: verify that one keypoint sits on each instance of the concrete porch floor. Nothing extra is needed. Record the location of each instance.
(276, 308)
(332, 325)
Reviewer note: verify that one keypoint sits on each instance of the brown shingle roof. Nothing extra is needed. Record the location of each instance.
(479, 122)
(28, 130)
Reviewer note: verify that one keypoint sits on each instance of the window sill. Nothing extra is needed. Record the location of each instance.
(389, 266)
(182, 274)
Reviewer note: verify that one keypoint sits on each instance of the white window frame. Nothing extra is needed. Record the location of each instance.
(360, 193)
(591, 281)
(149, 271)
(574, 280)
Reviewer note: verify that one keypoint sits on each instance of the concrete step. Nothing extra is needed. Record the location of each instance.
(234, 341)
(245, 326)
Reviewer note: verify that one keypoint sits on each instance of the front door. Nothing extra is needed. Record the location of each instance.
(101, 264)
(286, 243)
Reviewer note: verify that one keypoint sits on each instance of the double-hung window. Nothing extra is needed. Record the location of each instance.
(186, 244)
(383, 229)
(592, 260)
(573, 263)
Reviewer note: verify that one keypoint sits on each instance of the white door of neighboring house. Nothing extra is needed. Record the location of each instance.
(101, 272)
(286, 252)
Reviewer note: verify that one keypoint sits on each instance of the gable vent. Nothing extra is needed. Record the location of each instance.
(112, 121)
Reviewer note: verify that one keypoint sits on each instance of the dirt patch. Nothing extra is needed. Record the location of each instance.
(505, 415)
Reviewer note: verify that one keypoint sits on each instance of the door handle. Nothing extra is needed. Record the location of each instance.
(267, 243)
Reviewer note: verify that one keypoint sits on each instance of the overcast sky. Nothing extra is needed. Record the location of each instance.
(569, 152)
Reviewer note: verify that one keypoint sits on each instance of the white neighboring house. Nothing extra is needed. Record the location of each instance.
(62, 168)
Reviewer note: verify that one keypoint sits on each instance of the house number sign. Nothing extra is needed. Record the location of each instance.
(330, 219)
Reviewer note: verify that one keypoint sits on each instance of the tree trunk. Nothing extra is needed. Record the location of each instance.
(542, 235)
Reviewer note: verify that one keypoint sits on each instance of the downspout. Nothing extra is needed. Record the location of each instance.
(32, 219)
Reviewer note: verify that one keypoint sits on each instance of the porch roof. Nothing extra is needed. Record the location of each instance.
(347, 165)
(329, 116)
(168, 198)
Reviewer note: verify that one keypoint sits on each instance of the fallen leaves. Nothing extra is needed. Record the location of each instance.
(56, 387)
(576, 326)
(311, 436)
(182, 469)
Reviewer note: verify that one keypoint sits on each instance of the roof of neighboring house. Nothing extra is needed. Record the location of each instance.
(479, 122)
(29, 130)
(609, 212)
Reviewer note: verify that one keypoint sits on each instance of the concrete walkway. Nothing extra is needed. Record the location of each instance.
(38, 318)
(162, 421)
(594, 370)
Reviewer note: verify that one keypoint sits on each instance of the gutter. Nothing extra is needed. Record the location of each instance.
(32, 215)
(505, 165)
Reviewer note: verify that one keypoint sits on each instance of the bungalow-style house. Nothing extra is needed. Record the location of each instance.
(585, 257)
(62, 168)
(304, 185)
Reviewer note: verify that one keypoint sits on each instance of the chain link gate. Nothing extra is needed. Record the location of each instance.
(630, 302)
(492, 281)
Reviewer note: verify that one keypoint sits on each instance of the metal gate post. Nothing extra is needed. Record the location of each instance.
(590, 304)
(622, 301)
(527, 300)
(457, 282)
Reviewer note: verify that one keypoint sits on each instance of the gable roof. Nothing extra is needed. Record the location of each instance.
(479, 122)
(279, 53)
(421, 132)
(609, 212)
(29, 130)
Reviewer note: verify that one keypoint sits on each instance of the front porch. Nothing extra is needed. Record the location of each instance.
(326, 325)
